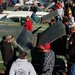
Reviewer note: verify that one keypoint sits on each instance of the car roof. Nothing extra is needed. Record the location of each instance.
(19, 14)
(7, 12)
(25, 13)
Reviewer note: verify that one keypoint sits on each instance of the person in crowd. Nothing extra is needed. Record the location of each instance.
(66, 23)
(60, 11)
(41, 6)
(21, 66)
(49, 59)
(8, 51)
(71, 49)
(4, 5)
(70, 4)
(73, 10)
(52, 22)
(34, 17)
(1, 2)
(65, 6)
(1, 9)
(28, 24)
(15, 1)
(45, 0)
(71, 20)
(10, 3)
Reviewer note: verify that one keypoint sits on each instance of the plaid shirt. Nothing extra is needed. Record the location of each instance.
(48, 64)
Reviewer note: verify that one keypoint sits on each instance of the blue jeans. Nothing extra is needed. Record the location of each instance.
(73, 69)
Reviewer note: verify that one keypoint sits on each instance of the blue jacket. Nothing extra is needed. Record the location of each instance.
(35, 18)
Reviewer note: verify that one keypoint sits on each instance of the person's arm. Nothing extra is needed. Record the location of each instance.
(30, 26)
(16, 45)
(12, 69)
(32, 70)
(72, 20)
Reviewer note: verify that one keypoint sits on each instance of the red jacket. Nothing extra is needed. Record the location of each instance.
(28, 25)
(1, 2)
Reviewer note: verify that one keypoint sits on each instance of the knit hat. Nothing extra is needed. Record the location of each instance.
(45, 47)
(58, 5)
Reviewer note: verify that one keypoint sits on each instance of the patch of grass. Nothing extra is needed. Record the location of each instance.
(2, 67)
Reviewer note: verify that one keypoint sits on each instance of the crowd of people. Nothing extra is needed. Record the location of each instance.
(18, 64)
(64, 46)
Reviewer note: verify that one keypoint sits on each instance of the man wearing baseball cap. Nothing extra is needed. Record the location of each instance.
(49, 59)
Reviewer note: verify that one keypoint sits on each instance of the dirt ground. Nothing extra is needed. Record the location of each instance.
(2, 72)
